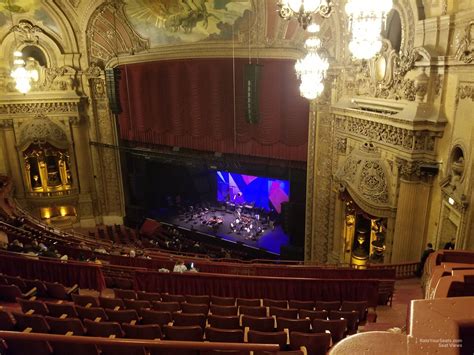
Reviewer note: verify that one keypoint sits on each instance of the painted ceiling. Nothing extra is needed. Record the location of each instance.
(166, 22)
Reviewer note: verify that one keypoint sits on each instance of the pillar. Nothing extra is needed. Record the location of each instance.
(11, 156)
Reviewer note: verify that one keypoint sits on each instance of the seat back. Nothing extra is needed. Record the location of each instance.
(41, 290)
(203, 299)
(148, 296)
(284, 312)
(91, 313)
(253, 311)
(352, 318)
(297, 325)
(38, 307)
(263, 324)
(359, 306)
(195, 308)
(315, 343)
(10, 293)
(309, 305)
(223, 310)
(125, 294)
(336, 327)
(279, 338)
(166, 306)
(85, 300)
(122, 316)
(150, 316)
(305, 313)
(224, 322)
(189, 333)
(222, 301)
(250, 302)
(275, 303)
(103, 329)
(58, 309)
(188, 319)
(36, 322)
(149, 331)
(6, 321)
(111, 303)
(136, 304)
(173, 298)
(57, 290)
(62, 326)
(224, 335)
(327, 306)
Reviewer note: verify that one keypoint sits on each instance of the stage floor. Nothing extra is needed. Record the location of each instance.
(270, 240)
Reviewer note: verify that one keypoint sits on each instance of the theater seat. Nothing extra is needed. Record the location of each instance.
(58, 291)
(85, 300)
(336, 327)
(111, 303)
(279, 338)
(195, 308)
(173, 298)
(122, 316)
(60, 309)
(37, 307)
(315, 343)
(136, 304)
(223, 310)
(304, 313)
(7, 322)
(327, 305)
(91, 313)
(103, 329)
(284, 312)
(37, 323)
(253, 311)
(263, 324)
(275, 303)
(309, 305)
(352, 318)
(125, 294)
(359, 306)
(63, 327)
(224, 335)
(298, 325)
(183, 333)
(149, 331)
(10, 293)
(222, 301)
(41, 290)
(150, 316)
(188, 319)
(249, 302)
(166, 306)
(204, 299)
(148, 296)
(224, 322)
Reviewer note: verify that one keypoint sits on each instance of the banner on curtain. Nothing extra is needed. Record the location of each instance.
(252, 74)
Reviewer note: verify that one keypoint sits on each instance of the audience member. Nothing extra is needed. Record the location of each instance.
(450, 245)
(429, 249)
(180, 267)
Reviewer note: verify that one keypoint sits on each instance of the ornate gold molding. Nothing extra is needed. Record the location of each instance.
(34, 108)
(465, 49)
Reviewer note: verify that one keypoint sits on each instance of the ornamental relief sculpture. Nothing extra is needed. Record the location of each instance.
(465, 49)
(367, 176)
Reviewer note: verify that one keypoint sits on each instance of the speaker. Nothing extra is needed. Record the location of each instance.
(252, 74)
(112, 80)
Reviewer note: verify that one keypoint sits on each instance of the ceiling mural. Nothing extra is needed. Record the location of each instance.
(171, 22)
(26, 9)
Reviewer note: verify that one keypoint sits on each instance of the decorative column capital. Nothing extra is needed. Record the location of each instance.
(6, 124)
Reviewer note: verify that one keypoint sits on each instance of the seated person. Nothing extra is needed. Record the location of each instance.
(180, 267)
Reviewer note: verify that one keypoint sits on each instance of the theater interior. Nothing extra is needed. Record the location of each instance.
(236, 177)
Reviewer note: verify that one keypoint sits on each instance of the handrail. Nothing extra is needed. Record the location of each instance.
(159, 344)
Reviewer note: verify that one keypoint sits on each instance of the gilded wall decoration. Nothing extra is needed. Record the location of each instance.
(170, 22)
(465, 49)
(465, 92)
(41, 129)
(33, 108)
(387, 134)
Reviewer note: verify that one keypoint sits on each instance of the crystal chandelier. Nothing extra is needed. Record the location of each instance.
(23, 76)
(366, 19)
(311, 69)
(303, 10)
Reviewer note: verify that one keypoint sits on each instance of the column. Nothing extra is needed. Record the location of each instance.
(11, 156)
(410, 222)
(81, 152)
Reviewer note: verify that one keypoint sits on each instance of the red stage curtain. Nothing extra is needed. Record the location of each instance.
(189, 103)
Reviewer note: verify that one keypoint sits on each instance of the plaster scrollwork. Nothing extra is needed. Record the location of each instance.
(465, 92)
(366, 175)
(62, 79)
(26, 32)
(401, 138)
(33, 108)
(465, 49)
(6, 124)
(42, 129)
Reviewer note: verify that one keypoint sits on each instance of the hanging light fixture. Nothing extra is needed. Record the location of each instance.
(23, 76)
(366, 19)
(303, 10)
(311, 69)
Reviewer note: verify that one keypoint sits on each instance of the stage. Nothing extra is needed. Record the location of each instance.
(251, 227)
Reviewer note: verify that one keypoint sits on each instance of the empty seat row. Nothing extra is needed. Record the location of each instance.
(38, 324)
